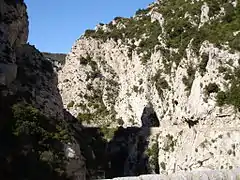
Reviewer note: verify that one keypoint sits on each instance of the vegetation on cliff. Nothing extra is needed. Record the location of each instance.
(36, 146)
(231, 96)
(174, 26)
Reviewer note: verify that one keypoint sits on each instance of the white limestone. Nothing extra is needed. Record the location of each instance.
(193, 175)
(135, 89)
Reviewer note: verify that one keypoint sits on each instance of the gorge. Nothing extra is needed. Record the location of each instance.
(156, 94)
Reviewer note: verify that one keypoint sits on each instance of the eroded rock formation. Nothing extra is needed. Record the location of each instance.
(182, 58)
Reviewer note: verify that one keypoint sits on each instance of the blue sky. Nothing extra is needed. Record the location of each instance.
(56, 24)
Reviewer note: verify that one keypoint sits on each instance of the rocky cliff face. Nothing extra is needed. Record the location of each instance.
(23, 69)
(36, 132)
(181, 58)
(14, 32)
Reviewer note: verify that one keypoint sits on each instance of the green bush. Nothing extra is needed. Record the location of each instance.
(221, 98)
(85, 117)
(179, 29)
(120, 121)
(32, 129)
(152, 153)
(163, 83)
(89, 33)
(141, 11)
(146, 57)
(108, 132)
(160, 83)
(211, 88)
(235, 43)
(170, 143)
(188, 81)
(232, 95)
(203, 64)
(222, 69)
(70, 104)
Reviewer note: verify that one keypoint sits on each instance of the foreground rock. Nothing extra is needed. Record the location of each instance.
(194, 175)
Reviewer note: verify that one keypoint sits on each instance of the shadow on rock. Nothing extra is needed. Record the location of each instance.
(125, 154)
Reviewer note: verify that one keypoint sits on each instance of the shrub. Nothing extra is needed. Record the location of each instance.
(146, 57)
(34, 130)
(222, 69)
(170, 143)
(85, 117)
(211, 88)
(163, 83)
(108, 132)
(203, 64)
(188, 81)
(70, 104)
(232, 94)
(89, 33)
(152, 152)
(235, 43)
(120, 121)
(141, 11)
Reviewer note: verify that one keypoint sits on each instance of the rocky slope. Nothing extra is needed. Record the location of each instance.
(178, 59)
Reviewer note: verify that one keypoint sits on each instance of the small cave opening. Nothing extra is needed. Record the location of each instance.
(149, 117)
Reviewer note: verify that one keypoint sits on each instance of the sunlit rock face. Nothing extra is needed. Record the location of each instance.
(180, 57)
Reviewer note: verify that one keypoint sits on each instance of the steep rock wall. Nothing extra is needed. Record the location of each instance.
(27, 77)
(14, 32)
(184, 62)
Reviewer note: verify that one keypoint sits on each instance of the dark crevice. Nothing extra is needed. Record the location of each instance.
(191, 123)
(149, 117)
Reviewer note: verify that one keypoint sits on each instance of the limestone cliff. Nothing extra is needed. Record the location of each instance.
(181, 58)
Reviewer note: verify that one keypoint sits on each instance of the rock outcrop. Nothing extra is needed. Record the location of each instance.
(196, 175)
(36, 131)
(14, 33)
(179, 57)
